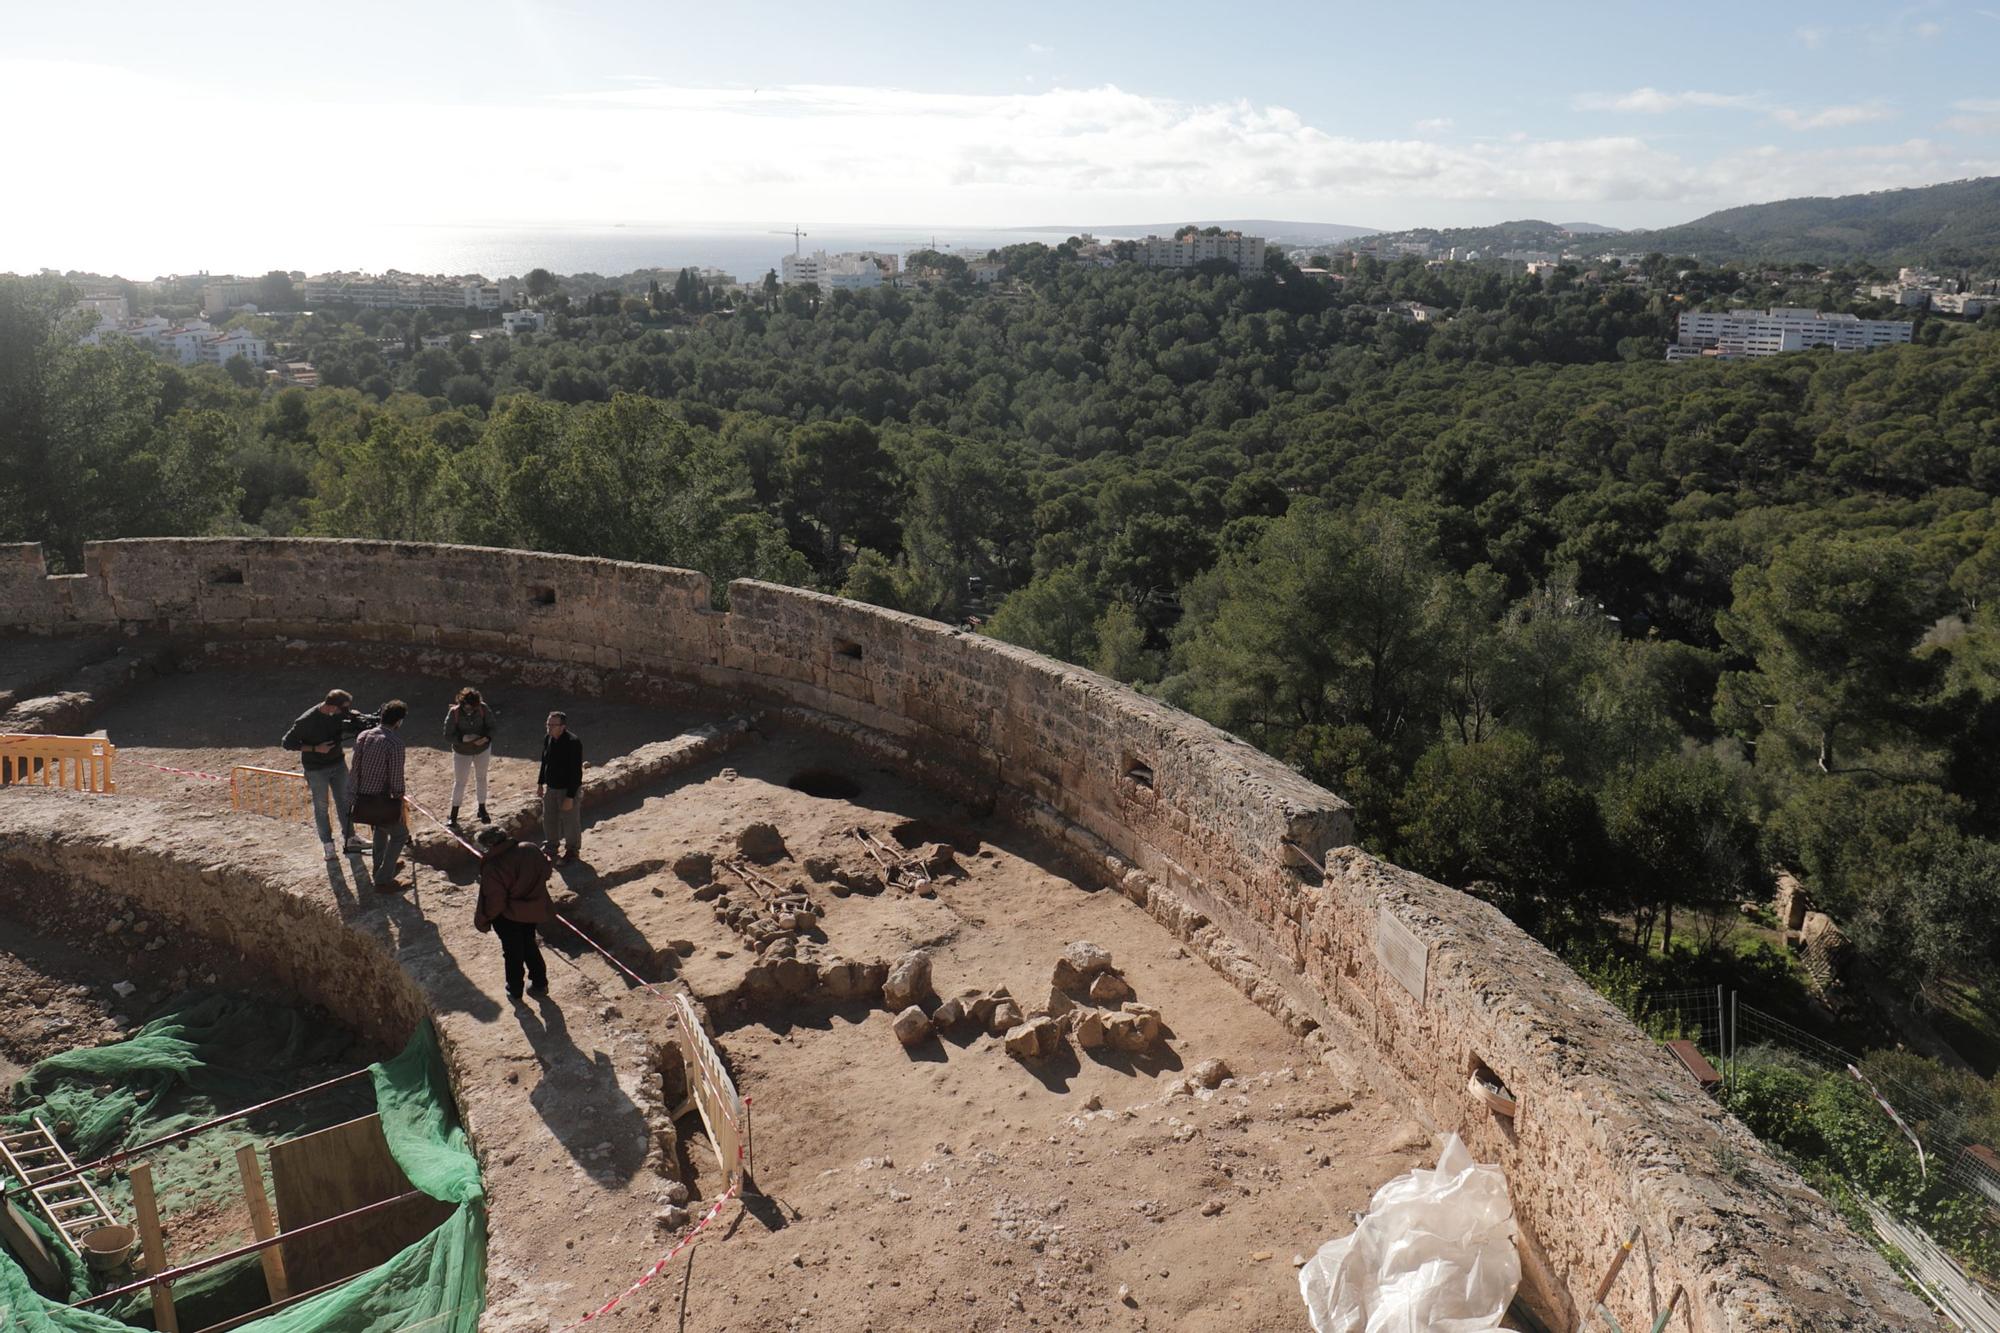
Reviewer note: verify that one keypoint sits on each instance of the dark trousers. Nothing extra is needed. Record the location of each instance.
(521, 953)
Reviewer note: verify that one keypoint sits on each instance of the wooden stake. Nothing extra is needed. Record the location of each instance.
(261, 1224)
(148, 1212)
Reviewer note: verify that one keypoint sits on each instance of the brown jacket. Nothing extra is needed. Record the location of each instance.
(514, 884)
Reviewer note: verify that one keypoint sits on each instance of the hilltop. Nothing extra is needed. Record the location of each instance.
(1954, 223)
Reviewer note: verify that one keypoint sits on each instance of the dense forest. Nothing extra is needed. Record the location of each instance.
(1599, 637)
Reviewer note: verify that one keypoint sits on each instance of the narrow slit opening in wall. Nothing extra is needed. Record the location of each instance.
(850, 651)
(1490, 1087)
(541, 596)
(1138, 772)
(225, 576)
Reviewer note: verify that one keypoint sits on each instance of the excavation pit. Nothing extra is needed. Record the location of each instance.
(967, 1181)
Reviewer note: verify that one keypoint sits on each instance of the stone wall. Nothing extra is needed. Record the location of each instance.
(208, 886)
(1204, 830)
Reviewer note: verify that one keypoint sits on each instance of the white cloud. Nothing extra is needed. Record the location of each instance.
(1976, 116)
(1832, 117)
(1434, 125)
(880, 155)
(1653, 102)
(1037, 49)
(1928, 29)
(1813, 38)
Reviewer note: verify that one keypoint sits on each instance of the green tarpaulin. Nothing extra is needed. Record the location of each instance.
(217, 1053)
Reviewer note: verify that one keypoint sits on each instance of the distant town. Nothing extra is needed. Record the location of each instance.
(227, 327)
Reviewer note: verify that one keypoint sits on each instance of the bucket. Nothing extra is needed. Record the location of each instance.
(107, 1248)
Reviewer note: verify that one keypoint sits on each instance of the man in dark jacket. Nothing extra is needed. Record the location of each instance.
(513, 900)
(316, 737)
(560, 785)
(378, 773)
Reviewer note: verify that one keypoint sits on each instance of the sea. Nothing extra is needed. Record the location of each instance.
(747, 251)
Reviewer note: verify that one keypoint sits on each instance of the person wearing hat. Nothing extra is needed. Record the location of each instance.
(513, 901)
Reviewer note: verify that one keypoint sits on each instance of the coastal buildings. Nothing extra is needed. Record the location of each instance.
(1186, 251)
(853, 271)
(1730, 334)
(403, 291)
(193, 342)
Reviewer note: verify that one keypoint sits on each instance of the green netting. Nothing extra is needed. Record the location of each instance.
(223, 1052)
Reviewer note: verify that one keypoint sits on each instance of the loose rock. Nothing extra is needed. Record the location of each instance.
(912, 1026)
(1109, 989)
(1081, 960)
(909, 980)
(697, 868)
(762, 843)
(1035, 1039)
(1210, 1073)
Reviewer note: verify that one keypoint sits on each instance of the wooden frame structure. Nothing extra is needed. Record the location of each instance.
(724, 1112)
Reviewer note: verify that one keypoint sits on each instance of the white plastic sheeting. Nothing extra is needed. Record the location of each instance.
(1434, 1253)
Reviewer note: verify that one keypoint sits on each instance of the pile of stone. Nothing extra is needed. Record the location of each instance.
(1096, 1004)
(1090, 1002)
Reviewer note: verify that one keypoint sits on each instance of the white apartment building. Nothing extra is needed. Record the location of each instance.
(1246, 252)
(1739, 333)
(522, 321)
(846, 272)
(219, 349)
(403, 291)
(800, 270)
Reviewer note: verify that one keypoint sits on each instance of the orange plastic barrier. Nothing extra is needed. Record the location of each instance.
(83, 763)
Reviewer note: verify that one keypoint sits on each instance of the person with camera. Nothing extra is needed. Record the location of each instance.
(316, 737)
(468, 729)
(378, 791)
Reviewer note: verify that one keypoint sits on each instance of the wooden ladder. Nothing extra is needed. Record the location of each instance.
(71, 1205)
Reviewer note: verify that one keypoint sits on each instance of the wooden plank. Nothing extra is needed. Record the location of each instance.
(148, 1211)
(335, 1171)
(26, 1245)
(262, 1226)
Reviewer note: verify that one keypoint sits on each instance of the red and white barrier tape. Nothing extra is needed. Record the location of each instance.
(177, 772)
(715, 1210)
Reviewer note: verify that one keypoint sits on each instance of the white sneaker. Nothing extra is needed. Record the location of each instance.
(332, 853)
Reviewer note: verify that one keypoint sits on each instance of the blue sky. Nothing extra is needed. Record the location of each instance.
(1377, 115)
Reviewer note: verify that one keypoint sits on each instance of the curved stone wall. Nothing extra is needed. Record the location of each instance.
(1203, 830)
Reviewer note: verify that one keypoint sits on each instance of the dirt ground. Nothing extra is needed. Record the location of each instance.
(950, 1186)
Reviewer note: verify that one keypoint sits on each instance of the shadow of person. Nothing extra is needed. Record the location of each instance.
(580, 1099)
(344, 898)
(420, 948)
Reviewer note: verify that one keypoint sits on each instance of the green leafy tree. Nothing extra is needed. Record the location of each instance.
(1683, 837)
(1499, 817)
(843, 486)
(1054, 614)
(1831, 625)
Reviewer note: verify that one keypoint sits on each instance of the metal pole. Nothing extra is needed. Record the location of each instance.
(173, 1274)
(1734, 1038)
(180, 1134)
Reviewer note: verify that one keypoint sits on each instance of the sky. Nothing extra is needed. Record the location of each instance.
(198, 119)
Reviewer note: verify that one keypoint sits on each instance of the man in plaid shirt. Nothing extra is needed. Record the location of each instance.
(378, 771)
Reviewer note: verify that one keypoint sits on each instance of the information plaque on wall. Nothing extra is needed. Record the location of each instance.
(1401, 954)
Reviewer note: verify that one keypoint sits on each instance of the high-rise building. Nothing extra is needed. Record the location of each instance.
(1740, 333)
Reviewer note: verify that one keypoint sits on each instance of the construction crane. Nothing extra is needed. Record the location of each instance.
(796, 236)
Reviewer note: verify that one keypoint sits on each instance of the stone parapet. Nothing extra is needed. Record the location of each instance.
(1607, 1132)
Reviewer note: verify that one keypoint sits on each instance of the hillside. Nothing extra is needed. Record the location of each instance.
(1950, 224)
(1520, 234)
